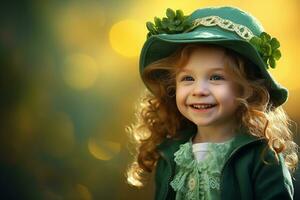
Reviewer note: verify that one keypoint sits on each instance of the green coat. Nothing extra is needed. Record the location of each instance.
(244, 175)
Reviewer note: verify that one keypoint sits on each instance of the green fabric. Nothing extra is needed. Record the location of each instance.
(197, 180)
(162, 45)
(244, 176)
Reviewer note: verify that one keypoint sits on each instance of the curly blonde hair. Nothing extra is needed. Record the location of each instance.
(158, 118)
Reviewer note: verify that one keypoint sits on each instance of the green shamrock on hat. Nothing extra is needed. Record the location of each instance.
(175, 22)
(268, 48)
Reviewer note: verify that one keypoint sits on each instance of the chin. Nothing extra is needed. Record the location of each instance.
(203, 125)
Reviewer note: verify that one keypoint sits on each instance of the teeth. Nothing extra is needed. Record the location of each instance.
(202, 106)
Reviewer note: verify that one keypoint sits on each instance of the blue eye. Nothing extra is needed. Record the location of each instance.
(187, 78)
(217, 77)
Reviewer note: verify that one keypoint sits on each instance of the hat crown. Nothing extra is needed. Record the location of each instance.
(230, 13)
(228, 27)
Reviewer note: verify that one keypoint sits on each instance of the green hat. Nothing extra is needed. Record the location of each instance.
(229, 27)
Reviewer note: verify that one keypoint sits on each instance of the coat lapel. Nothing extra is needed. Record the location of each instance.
(170, 146)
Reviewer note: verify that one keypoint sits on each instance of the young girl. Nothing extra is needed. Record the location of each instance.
(212, 125)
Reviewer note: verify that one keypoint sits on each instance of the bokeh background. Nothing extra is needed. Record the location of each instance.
(70, 82)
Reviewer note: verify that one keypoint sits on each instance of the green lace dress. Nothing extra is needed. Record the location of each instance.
(199, 179)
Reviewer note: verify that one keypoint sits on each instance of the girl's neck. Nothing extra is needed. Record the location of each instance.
(214, 134)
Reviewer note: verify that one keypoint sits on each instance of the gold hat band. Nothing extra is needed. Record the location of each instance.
(243, 31)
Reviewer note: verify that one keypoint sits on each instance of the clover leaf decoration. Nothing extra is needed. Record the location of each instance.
(267, 48)
(175, 22)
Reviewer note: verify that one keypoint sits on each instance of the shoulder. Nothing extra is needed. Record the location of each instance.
(257, 172)
(259, 155)
(267, 170)
(252, 148)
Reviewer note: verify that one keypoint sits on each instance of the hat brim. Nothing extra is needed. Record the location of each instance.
(163, 45)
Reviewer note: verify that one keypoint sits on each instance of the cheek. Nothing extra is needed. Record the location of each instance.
(181, 95)
(237, 89)
(227, 96)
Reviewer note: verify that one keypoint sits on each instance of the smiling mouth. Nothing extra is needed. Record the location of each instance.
(202, 107)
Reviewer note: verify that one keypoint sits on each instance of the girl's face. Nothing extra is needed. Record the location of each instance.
(205, 94)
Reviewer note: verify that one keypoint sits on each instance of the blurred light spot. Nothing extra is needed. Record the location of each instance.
(79, 25)
(127, 37)
(103, 150)
(111, 66)
(49, 195)
(57, 138)
(83, 192)
(80, 71)
(115, 71)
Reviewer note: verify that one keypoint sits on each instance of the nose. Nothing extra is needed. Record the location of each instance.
(201, 89)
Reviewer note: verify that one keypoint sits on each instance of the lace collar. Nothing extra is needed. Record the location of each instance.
(199, 179)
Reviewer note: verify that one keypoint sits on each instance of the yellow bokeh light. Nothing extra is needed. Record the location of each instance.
(103, 150)
(127, 37)
(83, 192)
(80, 71)
(79, 25)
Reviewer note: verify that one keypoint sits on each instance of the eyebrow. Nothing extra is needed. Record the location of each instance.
(212, 69)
